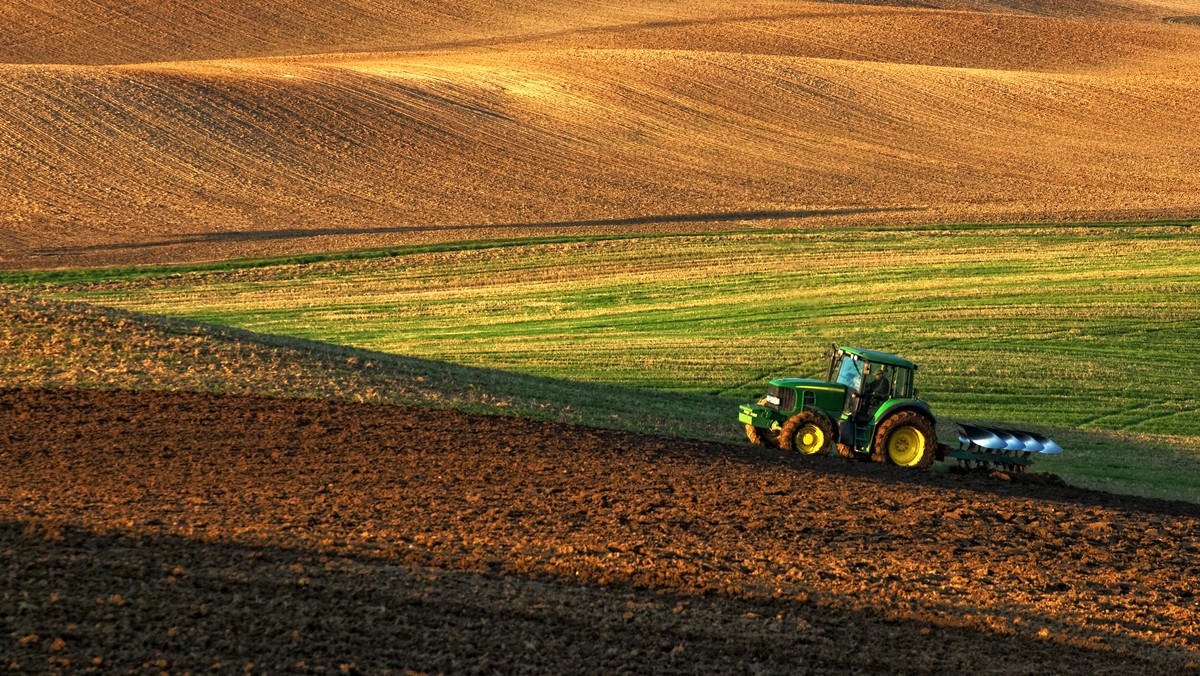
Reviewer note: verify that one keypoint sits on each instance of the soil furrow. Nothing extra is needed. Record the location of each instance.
(375, 499)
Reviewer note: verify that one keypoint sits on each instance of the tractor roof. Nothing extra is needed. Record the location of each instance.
(880, 357)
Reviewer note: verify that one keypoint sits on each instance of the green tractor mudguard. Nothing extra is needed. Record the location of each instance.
(896, 405)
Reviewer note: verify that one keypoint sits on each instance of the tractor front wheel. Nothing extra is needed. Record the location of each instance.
(808, 432)
(760, 437)
(907, 439)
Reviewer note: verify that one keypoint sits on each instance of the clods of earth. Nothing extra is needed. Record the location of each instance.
(170, 531)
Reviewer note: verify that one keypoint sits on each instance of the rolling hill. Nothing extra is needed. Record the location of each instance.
(146, 132)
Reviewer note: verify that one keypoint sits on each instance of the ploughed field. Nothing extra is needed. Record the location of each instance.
(177, 531)
(141, 131)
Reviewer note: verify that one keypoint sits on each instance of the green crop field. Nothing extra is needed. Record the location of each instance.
(1086, 333)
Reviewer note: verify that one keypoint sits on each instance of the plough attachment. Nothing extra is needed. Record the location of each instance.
(1009, 449)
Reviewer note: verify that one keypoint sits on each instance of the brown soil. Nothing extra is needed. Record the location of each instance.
(138, 132)
(173, 531)
(99, 32)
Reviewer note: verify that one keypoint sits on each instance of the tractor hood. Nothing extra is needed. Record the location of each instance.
(808, 384)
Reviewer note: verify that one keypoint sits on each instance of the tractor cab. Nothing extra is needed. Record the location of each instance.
(874, 381)
(871, 379)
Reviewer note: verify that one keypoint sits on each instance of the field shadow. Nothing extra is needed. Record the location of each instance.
(75, 599)
(1037, 486)
(246, 236)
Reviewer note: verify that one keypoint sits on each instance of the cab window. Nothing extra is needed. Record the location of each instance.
(902, 383)
(851, 372)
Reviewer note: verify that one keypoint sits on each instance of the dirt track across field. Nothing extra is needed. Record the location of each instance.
(174, 531)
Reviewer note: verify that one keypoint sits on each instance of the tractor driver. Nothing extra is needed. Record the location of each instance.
(878, 390)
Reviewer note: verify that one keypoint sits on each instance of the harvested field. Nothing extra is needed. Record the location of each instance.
(135, 133)
(181, 531)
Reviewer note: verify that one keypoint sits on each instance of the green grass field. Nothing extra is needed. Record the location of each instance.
(1087, 333)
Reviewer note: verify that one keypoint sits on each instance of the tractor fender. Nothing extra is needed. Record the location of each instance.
(893, 406)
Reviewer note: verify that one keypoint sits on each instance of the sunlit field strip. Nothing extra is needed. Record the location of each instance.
(1074, 328)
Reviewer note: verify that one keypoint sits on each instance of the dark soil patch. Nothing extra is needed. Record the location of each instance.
(174, 531)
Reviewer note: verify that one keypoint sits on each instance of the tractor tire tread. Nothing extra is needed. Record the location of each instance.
(908, 418)
(760, 437)
(787, 436)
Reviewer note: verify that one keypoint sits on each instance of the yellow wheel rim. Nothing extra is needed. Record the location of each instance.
(810, 439)
(906, 446)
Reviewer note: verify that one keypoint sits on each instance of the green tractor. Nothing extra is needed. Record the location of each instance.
(866, 407)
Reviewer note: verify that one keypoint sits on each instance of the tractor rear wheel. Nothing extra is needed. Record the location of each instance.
(761, 437)
(907, 439)
(808, 432)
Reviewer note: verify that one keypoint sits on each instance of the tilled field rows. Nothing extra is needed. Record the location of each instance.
(499, 121)
(186, 530)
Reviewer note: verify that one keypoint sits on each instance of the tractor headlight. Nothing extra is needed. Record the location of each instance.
(773, 400)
